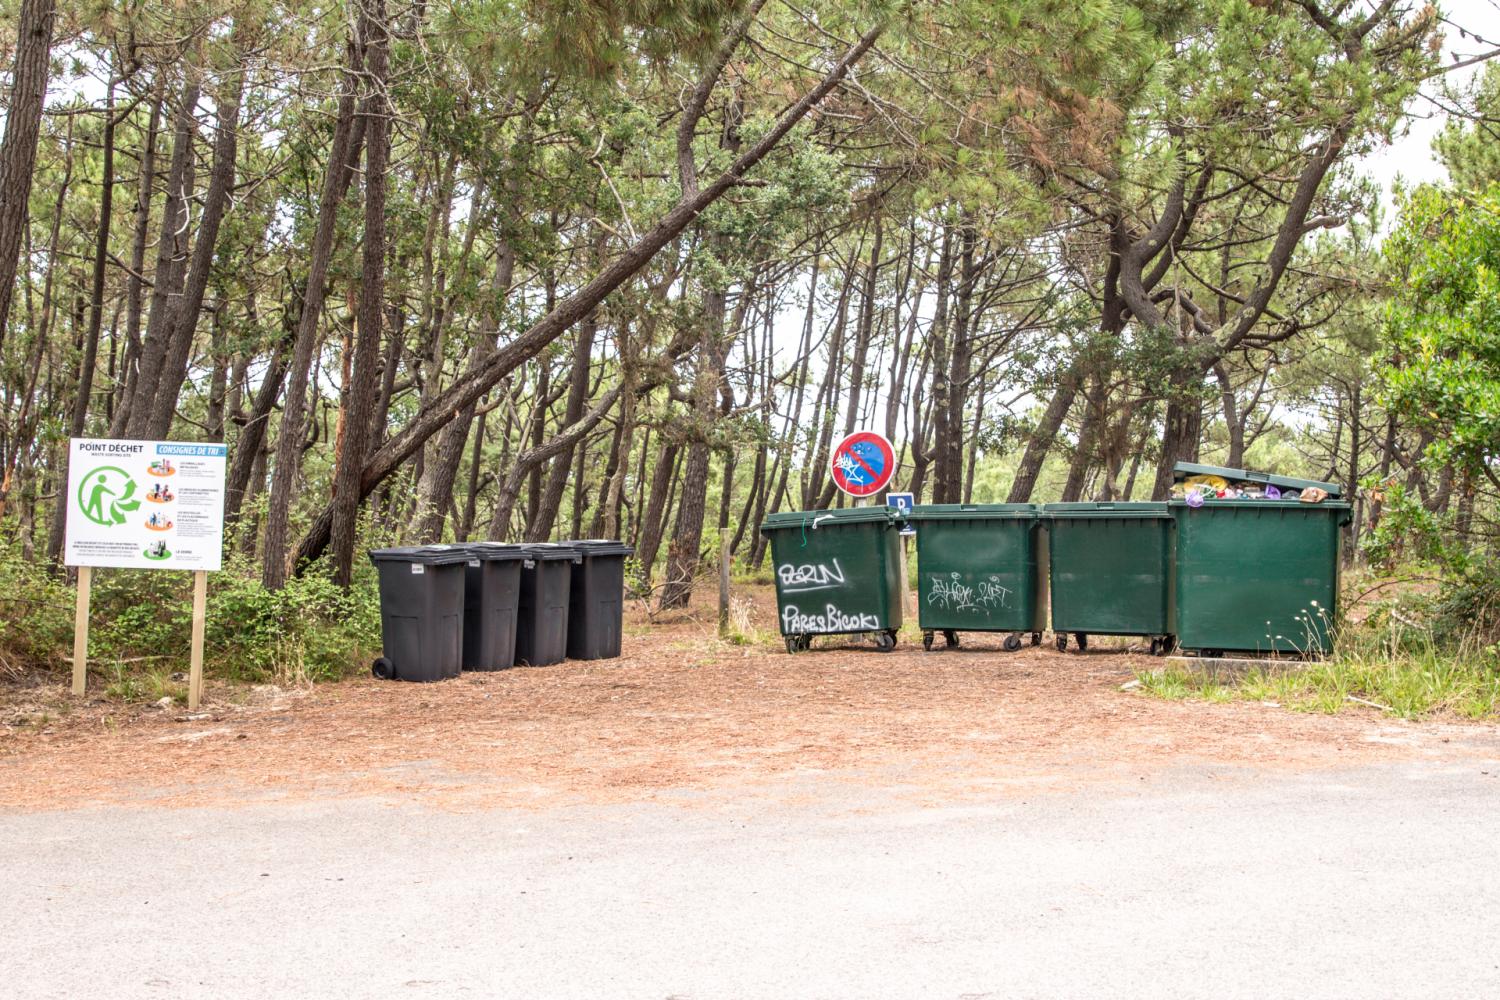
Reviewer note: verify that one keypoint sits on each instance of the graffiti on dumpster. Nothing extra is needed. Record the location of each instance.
(810, 577)
(950, 594)
(831, 620)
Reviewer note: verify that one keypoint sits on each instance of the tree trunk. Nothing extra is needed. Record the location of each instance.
(614, 460)
(360, 396)
(287, 463)
(683, 551)
(1042, 439)
(124, 384)
(655, 514)
(23, 122)
(1232, 422)
(436, 488)
(941, 371)
(184, 317)
(132, 419)
(84, 393)
(249, 447)
(540, 527)
(949, 439)
(1181, 429)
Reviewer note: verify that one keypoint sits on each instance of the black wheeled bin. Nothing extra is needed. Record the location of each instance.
(979, 569)
(1258, 567)
(421, 612)
(596, 599)
(1110, 571)
(542, 612)
(838, 572)
(492, 592)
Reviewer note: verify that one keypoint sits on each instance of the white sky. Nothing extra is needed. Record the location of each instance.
(1410, 157)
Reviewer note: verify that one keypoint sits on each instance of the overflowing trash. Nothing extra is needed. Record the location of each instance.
(1196, 486)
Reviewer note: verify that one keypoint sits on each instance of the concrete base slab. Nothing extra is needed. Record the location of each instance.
(1233, 667)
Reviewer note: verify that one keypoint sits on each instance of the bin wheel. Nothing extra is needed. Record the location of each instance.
(1168, 644)
(950, 637)
(885, 641)
(793, 643)
(1036, 638)
(1155, 647)
(1212, 654)
(1082, 638)
(1062, 641)
(383, 669)
(927, 641)
(1012, 643)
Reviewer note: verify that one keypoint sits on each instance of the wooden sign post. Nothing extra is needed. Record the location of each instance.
(195, 661)
(81, 631)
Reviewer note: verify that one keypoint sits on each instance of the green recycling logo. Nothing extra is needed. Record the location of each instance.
(106, 495)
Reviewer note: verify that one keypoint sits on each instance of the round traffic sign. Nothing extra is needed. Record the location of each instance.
(863, 463)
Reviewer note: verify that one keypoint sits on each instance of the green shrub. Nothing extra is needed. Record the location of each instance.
(141, 625)
(309, 630)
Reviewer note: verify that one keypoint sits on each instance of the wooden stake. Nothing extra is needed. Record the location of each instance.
(81, 631)
(200, 614)
(724, 557)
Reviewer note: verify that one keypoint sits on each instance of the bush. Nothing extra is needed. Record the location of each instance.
(141, 624)
(310, 630)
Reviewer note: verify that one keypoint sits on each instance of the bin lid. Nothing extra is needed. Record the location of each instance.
(1182, 470)
(495, 551)
(601, 547)
(972, 512)
(1217, 502)
(1104, 508)
(549, 551)
(428, 555)
(799, 520)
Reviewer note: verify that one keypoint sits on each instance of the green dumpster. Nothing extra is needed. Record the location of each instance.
(838, 572)
(979, 570)
(1110, 571)
(1256, 574)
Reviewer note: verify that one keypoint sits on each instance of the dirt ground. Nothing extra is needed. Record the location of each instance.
(680, 711)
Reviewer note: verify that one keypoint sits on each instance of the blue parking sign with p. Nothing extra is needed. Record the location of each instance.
(904, 502)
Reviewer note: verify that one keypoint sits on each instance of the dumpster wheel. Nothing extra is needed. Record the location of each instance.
(798, 643)
(950, 638)
(1036, 638)
(383, 668)
(1012, 642)
(885, 641)
(927, 641)
(1082, 638)
(1062, 641)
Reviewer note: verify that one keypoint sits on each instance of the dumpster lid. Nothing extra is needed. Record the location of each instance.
(549, 551)
(972, 511)
(810, 519)
(1329, 504)
(429, 555)
(601, 547)
(1182, 470)
(1139, 509)
(495, 551)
